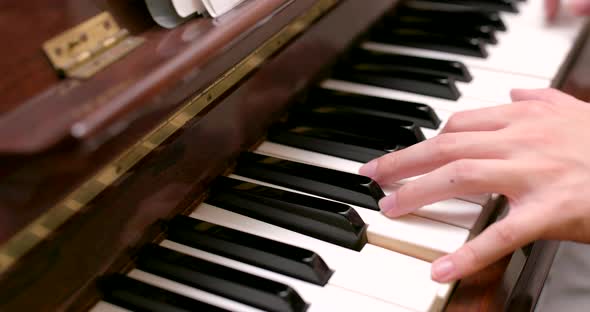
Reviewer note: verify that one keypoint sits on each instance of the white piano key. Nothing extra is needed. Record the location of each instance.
(420, 237)
(443, 297)
(532, 50)
(459, 212)
(464, 103)
(518, 51)
(190, 292)
(103, 306)
(531, 17)
(320, 298)
(430, 133)
(374, 271)
(495, 86)
(308, 157)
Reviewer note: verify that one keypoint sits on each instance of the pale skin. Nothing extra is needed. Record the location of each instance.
(535, 151)
(577, 7)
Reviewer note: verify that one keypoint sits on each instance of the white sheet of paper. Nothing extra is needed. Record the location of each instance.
(185, 8)
(216, 8)
(164, 13)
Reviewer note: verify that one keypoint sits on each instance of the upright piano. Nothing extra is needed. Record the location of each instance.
(213, 166)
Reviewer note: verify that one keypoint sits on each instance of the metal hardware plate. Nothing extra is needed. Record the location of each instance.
(83, 50)
(41, 228)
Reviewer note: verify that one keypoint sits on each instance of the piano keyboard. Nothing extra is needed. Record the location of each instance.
(296, 229)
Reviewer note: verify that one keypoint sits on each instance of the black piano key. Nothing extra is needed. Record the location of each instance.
(389, 131)
(486, 5)
(330, 221)
(420, 39)
(342, 186)
(134, 295)
(463, 30)
(373, 74)
(467, 17)
(323, 100)
(384, 62)
(258, 251)
(223, 281)
(332, 142)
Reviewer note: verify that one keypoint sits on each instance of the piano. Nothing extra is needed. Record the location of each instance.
(212, 166)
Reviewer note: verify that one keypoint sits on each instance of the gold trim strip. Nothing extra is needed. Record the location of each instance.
(42, 227)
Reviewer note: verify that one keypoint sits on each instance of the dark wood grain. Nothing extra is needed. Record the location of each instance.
(174, 175)
(59, 273)
(25, 25)
(170, 67)
(159, 74)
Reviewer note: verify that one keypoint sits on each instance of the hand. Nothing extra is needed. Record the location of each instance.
(578, 7)
(535, 151)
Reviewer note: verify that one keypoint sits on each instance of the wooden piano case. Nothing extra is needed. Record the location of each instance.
(89, 167)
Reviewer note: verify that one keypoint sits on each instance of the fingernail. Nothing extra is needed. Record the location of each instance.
(369, 169)
(443, 270)
(388, 203)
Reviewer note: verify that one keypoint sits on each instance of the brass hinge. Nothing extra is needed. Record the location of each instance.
(87, 48)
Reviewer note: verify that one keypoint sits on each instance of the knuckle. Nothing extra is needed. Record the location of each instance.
(504, 233)
(534, 108)
(531, 136)
(444, 145)
(463, 171)
(470, 256)
(455, 120)
(387, 164)
(552, 170)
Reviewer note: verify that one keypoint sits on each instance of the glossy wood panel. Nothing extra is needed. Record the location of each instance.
(138, 91)
(25, 25)
(176, 174)
(160, 73)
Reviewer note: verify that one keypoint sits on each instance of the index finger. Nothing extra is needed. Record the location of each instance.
(433, 153)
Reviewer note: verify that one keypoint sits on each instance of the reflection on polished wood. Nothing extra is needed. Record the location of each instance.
(43, 226)
(27, 24)
(170, 178)
(41, 161)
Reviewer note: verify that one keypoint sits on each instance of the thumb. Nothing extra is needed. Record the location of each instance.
(498, 240)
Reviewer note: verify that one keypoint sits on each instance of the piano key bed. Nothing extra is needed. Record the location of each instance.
(295, 228)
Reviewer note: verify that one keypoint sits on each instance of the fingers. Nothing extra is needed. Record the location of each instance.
(498, 240)
(546, 95)
(551, 9)
(484, 119)
(461, 177)
(431, 154)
